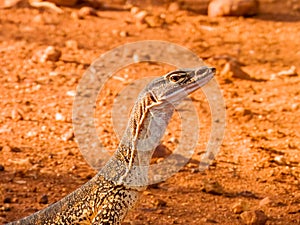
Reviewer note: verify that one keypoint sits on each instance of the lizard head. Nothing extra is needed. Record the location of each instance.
(174, 86)
(151, 114)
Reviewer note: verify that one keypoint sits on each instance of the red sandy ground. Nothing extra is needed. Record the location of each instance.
(262, 125)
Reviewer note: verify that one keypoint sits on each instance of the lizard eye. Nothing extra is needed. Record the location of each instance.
(177, 77)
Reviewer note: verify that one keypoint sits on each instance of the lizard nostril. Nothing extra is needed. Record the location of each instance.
(213, 69)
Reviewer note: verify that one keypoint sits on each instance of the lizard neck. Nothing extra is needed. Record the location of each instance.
(146, 126)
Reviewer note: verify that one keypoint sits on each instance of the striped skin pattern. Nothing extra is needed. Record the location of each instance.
(107, 197)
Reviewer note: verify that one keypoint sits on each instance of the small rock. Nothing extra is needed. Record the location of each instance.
(242, 111)
(30, 134)
(7, 200)
(295, 106)
(256, 217)
(49, 54)
(209, 220)
(290, 72)
(71, 44)
(5, 208)
(59, 117)
(124, 34)
(16, 114)
(239, 207)
(192, 165)
(86, 11)
(266, 201)
(212, 187)
(154, 21)
(134, 10)
(159, 203)
(140, 17)
(6, 148)
(233, 69)
(296, 7)
(161, 151)
(174, 7)
(292, 145)
(233, 8)
(68, 136)
(9, 3)
(44, 199)
(15, 149)
(157, 160)
(173, 140)
(74, 15)
(1, 168)
(71, 93)
(38, 19)
(147, 193)
(280, 160)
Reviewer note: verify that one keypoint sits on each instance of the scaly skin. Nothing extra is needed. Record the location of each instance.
(108, 196)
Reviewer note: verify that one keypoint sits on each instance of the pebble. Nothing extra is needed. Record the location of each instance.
(59, 117)
(134, 10)
(71, 44)
(158, 160)
(5, 208)
(159, 203)
(49, 54)
(30, 134)
(239, 207)
(147, 193)
(43, 199)
(209, 220)
(280, 160)
(7, 200)
(124, 34)
(154, 21)
(74, 15)
(173, 140)
(233, 8)
(295, 106)
(140, 17)
(192, 165)
(212, 187)
(241, 111)
(15, 149)
(6, 148)
(9, 3)
(71, 93)
(265, 202)
(174, 7)
(38, 19)
(16, 114)
(256, 217)
(68, 136)
(296, 7)
(233, 69)
(290, 72)
(161, 151)
(86, 11)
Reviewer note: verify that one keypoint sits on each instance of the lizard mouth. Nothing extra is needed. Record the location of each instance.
(202, 76)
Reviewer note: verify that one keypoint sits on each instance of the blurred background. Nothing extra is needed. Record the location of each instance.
(46, 47)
